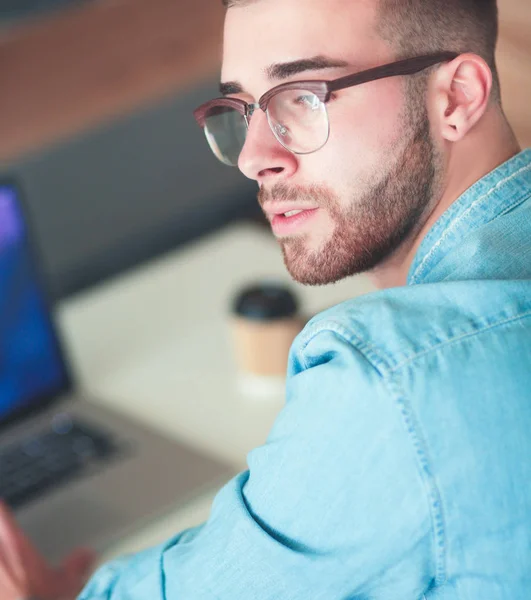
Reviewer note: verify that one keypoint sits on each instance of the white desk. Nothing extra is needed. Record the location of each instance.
(155, 344)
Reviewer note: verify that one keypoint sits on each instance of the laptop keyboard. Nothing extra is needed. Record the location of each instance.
(50, 458)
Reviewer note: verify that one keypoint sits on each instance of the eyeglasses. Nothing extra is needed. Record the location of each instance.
(296, 111)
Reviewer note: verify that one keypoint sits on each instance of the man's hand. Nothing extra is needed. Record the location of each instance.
(24, 573)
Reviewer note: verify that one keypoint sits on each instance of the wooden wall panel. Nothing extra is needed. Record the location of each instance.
(65, 73)
(514, 63)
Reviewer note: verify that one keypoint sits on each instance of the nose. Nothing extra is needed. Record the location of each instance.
(263, 158)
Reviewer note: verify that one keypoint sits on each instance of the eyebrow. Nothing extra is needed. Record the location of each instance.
(281, 71)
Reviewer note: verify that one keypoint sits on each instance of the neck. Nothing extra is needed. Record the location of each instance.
(468, 161)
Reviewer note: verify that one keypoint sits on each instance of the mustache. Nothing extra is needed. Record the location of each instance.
(283, 193)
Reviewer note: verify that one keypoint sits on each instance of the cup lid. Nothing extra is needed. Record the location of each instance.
(265, 301)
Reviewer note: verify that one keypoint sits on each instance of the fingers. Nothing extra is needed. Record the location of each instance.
(9, 587)
(19, 548)
(10, 551)
(22, 565)
(8, 526)
(75, 571)
(27, 565)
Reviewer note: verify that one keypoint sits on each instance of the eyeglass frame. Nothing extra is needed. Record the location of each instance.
(324, 89)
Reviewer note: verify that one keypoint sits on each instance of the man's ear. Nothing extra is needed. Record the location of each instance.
(462, 92)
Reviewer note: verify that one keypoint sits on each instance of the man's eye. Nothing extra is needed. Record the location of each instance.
(306, 102)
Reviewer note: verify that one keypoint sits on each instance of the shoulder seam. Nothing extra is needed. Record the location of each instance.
(378, 359)
(459, 338)
(433, 494)
(369, 352)
(412, 430)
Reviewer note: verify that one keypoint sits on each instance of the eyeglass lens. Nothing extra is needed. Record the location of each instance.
(298, 119)
(226, 130)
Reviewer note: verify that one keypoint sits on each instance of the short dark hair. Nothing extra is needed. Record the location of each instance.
(414, 27)
(417, 27)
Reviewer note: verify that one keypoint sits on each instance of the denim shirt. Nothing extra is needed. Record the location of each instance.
(400, 466)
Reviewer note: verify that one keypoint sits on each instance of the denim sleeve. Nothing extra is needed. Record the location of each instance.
(102, 583)
(131, 571)
(333, 506)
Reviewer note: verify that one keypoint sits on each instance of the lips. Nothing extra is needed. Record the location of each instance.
(282, 208)
(292, 222)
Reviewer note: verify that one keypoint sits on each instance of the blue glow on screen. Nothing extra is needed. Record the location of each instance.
(30, 362)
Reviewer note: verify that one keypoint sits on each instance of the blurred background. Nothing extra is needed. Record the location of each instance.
(96, 101)
(95, 122)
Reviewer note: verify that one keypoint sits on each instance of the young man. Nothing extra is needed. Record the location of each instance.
(400, 467)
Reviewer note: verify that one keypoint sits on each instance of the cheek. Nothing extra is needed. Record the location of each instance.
(365, 123)
(364, 135)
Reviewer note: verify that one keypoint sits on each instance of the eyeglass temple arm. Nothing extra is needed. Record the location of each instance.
(409, 66)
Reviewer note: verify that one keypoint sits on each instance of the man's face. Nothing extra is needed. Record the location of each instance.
(364, 193)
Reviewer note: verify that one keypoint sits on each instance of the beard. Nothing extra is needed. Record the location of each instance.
(374, 225)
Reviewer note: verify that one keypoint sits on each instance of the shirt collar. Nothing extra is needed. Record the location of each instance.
(480, 204)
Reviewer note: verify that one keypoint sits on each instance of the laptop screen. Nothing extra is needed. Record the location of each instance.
(31, 366)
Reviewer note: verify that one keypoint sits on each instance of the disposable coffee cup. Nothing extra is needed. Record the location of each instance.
(265, 321)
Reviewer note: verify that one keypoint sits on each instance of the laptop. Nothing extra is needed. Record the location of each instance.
(74, 472)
